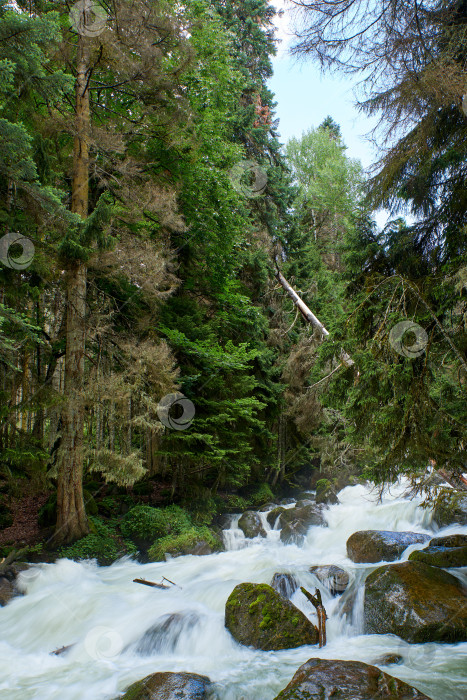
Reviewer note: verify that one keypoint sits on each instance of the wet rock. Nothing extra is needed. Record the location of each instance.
(333, 577)
(445, 557)
(170, 686)
(266, 507)
(7, 591)
(388, 660)
(325, 492)
(272, 516)
(369, 546)
(223, 522)
(326, 678)
(304, 502)
(295, 522)
(251, 524)
(165, 634)
(287, 501)
(449, 541)
(419, 603)
(450, 507)
(284, 584)
(257, 616)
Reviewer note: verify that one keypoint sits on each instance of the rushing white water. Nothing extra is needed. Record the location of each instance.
(122, 631)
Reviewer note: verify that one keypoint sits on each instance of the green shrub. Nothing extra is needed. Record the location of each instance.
(101, 544)
(148, 523)
(261, 494)
(183, 543)
(236, 504)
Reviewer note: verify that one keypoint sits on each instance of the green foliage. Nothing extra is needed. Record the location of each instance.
(102, 544)
(149, 523)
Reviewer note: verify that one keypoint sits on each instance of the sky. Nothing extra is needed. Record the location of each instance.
(305, 97)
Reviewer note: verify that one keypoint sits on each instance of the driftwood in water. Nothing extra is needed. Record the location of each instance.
(321, 612)
(62, 650)
(309, 315)
(150, 583)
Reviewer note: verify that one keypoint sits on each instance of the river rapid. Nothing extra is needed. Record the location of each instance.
(107, 616)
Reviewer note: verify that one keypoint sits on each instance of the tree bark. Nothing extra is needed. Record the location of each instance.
(71, 516)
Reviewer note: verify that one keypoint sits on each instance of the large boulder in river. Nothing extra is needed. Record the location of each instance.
(444, 557)
(456, 540)
(450, 507)
(333, 577)
(170, 686)
(370, 546)
(419, 603)
(327, 678)
(251, 524)
(295, 522)
(257, 616)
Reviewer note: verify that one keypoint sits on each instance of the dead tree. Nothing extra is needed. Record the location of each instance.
(320, 611)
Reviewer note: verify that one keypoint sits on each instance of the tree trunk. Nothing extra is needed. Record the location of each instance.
(71, 516)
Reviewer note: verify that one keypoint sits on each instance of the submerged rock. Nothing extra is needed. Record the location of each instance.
(284, 584)
(295, 522)
(257, 616)
(450, 507)
(7, 591)
(333, 577)
(419, 603)
(164, 635)
(170, 686)
(272, 516)
(370, 546)
(318, 679)
(251, 524)
(444, 557)
(388, 660)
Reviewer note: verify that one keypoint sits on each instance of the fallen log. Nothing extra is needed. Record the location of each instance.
(309, 316)
(62, 650)
(150, 583)
(321, 612)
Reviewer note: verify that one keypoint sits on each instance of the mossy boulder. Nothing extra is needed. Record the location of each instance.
(257, 616)
(445, 557)
(456, 540)
(325, 492)
(419, 603)
(284, 584)
(370, 546)
(168, 686)
(328, 678)
(194, 540)
(251, 524)
(295, 522)
(450, 507)
(273, 514)
(333, 577)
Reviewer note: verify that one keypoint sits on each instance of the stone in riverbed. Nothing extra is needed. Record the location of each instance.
(328, 678)
(333, 577)
(295, 522)
(419, 603)
(257, 616)
(457, 540)
(370, 546)
(7, 591)
(388, 660)
(444, 557)
(251, 525)
(170, 686)
(284, 584)
(273, 514)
